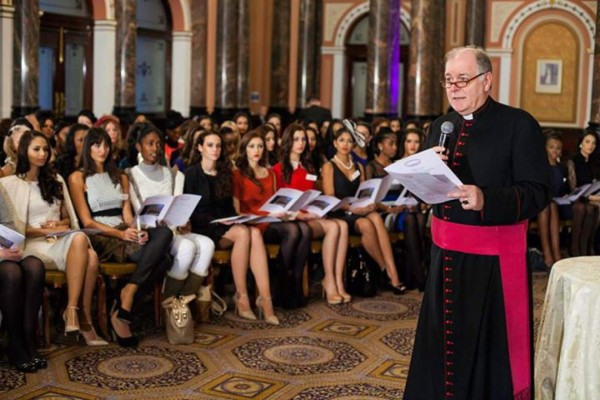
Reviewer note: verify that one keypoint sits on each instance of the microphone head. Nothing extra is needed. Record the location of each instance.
(447, 127)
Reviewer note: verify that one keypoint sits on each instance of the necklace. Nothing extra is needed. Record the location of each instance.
(349, 166)
(211, 172)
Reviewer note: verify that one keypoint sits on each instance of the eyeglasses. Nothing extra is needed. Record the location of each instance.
(460, 83)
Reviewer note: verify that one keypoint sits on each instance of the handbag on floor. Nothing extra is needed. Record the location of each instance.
(208, 301)
(360, 276)
(178, 319)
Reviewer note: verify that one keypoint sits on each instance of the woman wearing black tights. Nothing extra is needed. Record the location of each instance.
(21, 286)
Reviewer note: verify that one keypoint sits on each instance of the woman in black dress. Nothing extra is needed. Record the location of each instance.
(210, 177)
(585, 211)
(341, 178)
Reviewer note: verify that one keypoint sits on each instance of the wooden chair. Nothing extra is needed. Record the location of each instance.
(113, 272)
(56, 280)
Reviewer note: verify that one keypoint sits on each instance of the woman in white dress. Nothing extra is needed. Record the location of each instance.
(191, 252)
(45, 214)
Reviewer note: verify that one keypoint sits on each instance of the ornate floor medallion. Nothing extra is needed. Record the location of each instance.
(299, 355)
(145, 367)
(382, 309)
(241, 387)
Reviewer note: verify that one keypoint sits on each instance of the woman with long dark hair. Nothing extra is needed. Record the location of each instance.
(253, 185)
(68, 161)
(295, 171)
(43, 209)
(211, 177)
(99, 191)
(21, 288)
(341, 178)
(585, 210)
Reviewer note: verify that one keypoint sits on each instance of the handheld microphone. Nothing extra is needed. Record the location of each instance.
(447, 129)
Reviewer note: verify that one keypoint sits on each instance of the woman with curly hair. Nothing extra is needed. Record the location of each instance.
(211, 177)
(253, 185)
(295, 171)
(99, 191)
(45, 214)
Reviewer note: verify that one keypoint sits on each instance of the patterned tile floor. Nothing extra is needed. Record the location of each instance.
(359, 350)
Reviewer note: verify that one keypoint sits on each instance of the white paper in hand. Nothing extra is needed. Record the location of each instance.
(426, 176)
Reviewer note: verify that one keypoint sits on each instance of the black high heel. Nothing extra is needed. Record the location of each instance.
(125, 317)
(398, 290)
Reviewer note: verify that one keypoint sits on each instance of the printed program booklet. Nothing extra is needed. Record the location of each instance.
(173, 210)
(9, 238)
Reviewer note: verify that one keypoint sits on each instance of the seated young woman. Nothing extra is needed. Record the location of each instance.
(341, 178)
(21, 288)
(549, 218)
(585, 210)
(295, 171)
(407, 219)
(253, 185)
(191, 252)
(210, 176)
(43, 208)
(99, 192)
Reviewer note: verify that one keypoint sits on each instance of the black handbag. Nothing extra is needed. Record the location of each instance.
(360, 276)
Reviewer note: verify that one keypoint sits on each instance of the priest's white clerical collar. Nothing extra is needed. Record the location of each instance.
(468, 117)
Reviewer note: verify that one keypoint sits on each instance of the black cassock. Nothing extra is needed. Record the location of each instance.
(502, 151)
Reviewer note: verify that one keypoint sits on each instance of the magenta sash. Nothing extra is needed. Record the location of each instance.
(509, 243)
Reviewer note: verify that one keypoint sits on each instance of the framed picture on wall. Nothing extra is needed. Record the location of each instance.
(548, 78)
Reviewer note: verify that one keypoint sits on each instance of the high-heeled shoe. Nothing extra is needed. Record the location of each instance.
(269, 319)
(242, 314)
(89, 334)
(123, 316)
(332, 299)
(70, 319)
(346, 297)
(398, 290)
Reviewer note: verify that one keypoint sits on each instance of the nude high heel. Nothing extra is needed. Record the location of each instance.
(269, 319)
(89, 333)
(242, 314)
(331, 298)
(70, 319)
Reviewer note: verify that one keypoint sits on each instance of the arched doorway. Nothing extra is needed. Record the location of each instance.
(65, 57)
(356, 67)
(153, 55)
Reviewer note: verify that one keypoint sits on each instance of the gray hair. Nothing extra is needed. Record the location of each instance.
(483, 60)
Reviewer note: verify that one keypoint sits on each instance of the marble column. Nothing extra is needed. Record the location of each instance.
(383, 58)
(243, 57)
(280, 57)
(125, 65)
(424, 92)
(309, 47)
(199, 11)
(104, 66)
(26, 57)
(475, 29)
(7, 12)
(227, 60)
(181, 71)
(594, 123)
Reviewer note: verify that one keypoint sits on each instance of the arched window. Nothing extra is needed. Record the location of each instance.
(153, 56)
(65, 56)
